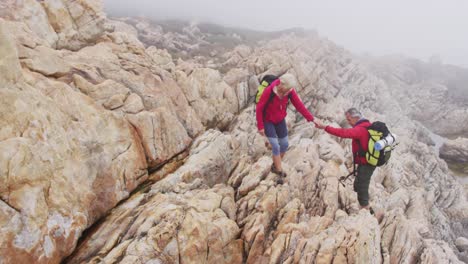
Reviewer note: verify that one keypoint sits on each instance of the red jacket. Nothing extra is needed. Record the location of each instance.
(359, 135)
(274, 111)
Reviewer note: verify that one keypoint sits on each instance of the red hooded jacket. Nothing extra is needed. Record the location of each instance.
(359, 135)
(274, 110)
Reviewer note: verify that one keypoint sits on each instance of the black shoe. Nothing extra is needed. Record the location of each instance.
(281, 174)
(277, 172)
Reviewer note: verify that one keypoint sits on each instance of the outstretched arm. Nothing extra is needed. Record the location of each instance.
(297, 102)
(353, 133)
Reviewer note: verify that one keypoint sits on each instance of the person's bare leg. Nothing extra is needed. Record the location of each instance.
(277, 162)
(282, 155)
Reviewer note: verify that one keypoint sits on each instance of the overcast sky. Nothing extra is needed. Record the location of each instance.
(417, 28)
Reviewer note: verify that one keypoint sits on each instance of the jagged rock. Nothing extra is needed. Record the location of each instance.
(120, 26)
(179, 220)
(455, 151)
(243, 51)
(155, 87)
(64, 164)
(441, 93)
(462, 244)
(438, 252)
(76, 138)
(23, 35)
(133, 104)
(163, 136)
(238, 78)
(161, 58)
(211, 159)
(45, 61)
(256, 174)
(213, 100)
(10, 68)
(33, 15)
(77, 23)
(188, 226)
(115, 101)
(64, 24)
(109, 93)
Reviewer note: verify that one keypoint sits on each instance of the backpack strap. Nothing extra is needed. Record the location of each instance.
(272, 95)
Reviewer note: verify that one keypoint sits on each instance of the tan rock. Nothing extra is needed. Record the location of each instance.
(133, 104)
(455, 151)
(212, 99)
(33, 15)
(211, 159)
(185, 227)
(155, 86)
(162, 135)
(120, 26)
(239, 78)
(10, 68)
(115, 101)
(46, 61)
(78, 23)
(23, 35)
(462, 244)
(161, 58)
(109, 93)
(438, 252)
(65, 163)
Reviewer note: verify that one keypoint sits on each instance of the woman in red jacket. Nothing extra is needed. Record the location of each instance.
(271, 114)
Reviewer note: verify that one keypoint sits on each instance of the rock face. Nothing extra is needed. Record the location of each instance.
(175, 221)
(64, 163)
(462, 244)
(61, 23)
(89, 115)
(9, 63)
(455, 150)
(438, 89)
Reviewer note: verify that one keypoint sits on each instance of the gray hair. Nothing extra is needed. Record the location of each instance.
(288, 80)
(353, 112)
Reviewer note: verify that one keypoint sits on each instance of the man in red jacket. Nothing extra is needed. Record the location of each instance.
(360, 137)
(271, 114)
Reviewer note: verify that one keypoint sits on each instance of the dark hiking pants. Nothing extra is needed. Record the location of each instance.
(361, 183)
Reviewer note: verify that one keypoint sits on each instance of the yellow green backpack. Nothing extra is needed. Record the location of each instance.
(264, 83)
(378, 131)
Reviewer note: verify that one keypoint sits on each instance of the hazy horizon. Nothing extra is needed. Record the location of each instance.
(418, 29)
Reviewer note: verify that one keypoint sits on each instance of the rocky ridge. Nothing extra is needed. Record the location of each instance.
(89, 114)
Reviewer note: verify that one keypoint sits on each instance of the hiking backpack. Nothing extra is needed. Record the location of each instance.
(264, 83)
(378, 131)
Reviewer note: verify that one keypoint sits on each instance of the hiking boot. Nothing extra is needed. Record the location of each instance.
(281, 174)
(279, 180)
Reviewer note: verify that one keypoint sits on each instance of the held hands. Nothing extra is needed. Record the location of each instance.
(318, 124)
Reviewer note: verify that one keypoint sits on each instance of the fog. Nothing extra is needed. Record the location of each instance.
(416, 28)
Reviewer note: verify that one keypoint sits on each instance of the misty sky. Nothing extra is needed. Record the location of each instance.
(417, 28)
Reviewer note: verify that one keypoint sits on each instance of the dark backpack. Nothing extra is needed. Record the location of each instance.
(377, 131)
(264, 83)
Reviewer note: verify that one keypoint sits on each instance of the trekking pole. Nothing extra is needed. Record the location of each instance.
(343, 179)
